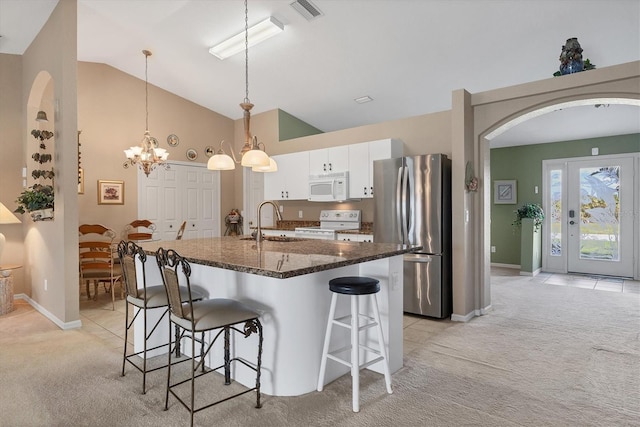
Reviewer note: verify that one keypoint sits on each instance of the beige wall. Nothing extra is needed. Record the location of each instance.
(51, 247)
(111, 115)
(11, 160)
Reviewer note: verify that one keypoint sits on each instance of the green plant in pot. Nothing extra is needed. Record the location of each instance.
(529, 210)
(38, 199)
(35, 198)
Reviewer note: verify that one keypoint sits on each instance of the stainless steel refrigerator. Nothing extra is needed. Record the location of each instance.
(413, 206)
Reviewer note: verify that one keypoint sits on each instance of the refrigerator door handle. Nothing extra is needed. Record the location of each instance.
(405, 210)
(418, 258)
(399, 194)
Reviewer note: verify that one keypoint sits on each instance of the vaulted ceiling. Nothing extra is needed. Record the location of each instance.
(407, 55)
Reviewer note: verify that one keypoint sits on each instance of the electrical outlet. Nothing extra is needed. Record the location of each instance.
(281, 208)
(45, 284)
(299, 214)
(493, 249)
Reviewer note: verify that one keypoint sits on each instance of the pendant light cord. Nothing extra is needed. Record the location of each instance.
(146, 87)
(246, 52)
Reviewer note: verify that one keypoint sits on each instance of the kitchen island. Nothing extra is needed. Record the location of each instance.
(286, 281)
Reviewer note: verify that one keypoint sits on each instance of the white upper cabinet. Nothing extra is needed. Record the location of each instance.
(291, 181)
(361, 158)
(329, 160)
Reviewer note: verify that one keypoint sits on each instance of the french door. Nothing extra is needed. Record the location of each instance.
(589, 224)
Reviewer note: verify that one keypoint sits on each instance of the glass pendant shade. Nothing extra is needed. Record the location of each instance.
(255, 157)
(273, 167)
(221, 162)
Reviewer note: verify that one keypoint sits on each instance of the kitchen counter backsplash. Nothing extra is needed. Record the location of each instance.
(290, 225)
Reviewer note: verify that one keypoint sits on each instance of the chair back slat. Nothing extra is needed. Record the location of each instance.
(129, 253)
(173, 267)
(139, 229)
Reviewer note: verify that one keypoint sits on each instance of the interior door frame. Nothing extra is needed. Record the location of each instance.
(560, 264)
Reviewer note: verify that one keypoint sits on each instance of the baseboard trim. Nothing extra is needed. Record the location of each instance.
(471, 315)
(46, 313)
(531, 273)
(497, 264)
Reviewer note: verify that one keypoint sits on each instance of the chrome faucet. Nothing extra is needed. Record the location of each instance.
(278, 216)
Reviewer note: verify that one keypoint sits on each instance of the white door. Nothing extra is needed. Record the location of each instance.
(183, 192)
(590, 222)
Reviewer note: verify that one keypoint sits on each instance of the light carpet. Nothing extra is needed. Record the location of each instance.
(544, 356)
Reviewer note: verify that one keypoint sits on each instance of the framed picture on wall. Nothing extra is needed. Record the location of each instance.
(110, 192)
(505, 192)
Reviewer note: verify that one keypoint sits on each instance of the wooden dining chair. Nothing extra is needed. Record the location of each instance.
(140, 229)
(181, 230)
(97, 260)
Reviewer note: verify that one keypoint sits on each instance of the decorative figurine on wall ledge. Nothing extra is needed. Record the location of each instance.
(470, 181)
(571, 59)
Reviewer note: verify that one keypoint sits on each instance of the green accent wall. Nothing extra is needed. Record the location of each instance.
(524, 164)
(291, 127)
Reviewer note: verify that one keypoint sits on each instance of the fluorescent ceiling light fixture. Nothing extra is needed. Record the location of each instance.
(257, 33)
(363, 99)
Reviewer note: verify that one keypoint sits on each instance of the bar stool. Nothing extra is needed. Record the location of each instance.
(143, 299)
(354, 286)
(220, 316)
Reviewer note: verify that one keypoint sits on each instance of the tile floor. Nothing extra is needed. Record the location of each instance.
(586, 281)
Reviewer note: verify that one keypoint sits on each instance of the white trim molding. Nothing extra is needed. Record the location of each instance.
(46, 313)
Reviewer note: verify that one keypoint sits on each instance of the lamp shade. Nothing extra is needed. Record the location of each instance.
(255, 158)
(7, 217)
(273, 167)
(221, 162)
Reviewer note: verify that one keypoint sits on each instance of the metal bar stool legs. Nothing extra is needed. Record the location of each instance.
(354, 287)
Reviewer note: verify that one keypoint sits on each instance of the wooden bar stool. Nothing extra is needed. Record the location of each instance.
(355, 286)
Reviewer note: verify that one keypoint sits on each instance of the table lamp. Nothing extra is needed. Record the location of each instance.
(6, 217)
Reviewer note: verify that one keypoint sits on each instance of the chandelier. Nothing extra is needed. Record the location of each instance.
(253, 156)
(147, 155)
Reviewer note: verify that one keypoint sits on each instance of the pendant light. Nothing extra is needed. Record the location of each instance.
(146, 155)
(253, 156)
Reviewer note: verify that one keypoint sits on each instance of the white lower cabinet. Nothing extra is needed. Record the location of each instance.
(349, 237)
(279, 233)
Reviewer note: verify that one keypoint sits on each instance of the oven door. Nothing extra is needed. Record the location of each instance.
(319, 234)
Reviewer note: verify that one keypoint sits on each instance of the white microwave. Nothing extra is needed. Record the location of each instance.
(329, 187)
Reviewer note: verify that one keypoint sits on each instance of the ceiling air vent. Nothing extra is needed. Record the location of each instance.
(306, 9)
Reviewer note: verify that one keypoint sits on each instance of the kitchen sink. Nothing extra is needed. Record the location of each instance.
(276, 239)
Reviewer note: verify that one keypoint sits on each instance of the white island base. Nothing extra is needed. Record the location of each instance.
(293, 313)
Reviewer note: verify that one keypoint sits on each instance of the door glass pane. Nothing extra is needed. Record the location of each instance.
(599, 213)
(556, 212)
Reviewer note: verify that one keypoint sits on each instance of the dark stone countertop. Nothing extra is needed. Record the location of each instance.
(277, 259)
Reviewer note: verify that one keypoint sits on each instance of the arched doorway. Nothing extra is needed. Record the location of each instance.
(484, 113)
(587, 192)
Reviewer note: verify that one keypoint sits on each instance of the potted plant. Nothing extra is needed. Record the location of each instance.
(529, 210)
(38, 199)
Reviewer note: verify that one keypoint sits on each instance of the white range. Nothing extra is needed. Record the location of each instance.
(331, 222)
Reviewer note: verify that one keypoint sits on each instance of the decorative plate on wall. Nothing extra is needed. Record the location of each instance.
(208, 151)
(173, 140)
(192, 154)
(154, 142)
